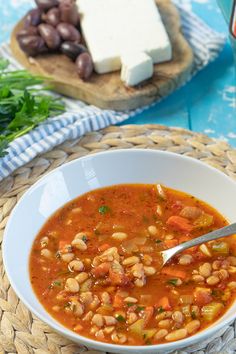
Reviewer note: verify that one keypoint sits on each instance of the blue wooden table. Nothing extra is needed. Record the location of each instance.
(206, 104)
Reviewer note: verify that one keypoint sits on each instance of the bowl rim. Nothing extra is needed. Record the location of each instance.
(77, 338)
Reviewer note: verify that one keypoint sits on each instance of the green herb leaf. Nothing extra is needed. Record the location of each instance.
(3, 64)
(217, 293)
(172, 282)
(129, 304)
(22, 105)
(160, 309)
(193, 315)
(158, 241)
(103, 209)
(56, 283)
(120, 318)
(84, 238)
(140, 308)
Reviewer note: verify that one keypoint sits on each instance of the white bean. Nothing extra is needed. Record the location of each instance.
(165, 323)
(212, 280)
(100, 334)
(76, 265)
(176, 335)
(119, 236)
(97, 320)
(118, 338)
(44, 241)
(178, 316)
(130, 261)
(106, 298)
(46, 253)
(72, 285)
(79, 244)
(152, 229)
(149, 270)
(205, 270)
(131, 299)
(81, 277)
(67, 257)
(160, 334)
(185, 259)
(193, 326)
(110, 320)
(77, 307)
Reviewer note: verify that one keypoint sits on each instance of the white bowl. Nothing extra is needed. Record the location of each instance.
(95, 171)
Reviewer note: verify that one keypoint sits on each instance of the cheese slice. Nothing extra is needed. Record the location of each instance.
(113, 27)
(136, 67)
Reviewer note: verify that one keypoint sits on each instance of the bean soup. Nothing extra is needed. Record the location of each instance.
(94, 265)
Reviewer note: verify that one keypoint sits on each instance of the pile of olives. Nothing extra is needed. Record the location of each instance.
(54, 27)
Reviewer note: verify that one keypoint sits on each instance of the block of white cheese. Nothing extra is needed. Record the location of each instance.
(136, 67)
(112, 27)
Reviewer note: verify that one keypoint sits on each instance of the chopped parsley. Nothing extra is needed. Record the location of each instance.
(56, 283)
(172, 282)
(120, 318)
(84, 238)
(140, 308)
(158, 241)
(129, 304)
(217, 293)
(193, 315)
(103, 209)
(160, 309)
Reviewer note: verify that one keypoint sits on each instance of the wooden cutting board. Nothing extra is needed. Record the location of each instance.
(106, 90)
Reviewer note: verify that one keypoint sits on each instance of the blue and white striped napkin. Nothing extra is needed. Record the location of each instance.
(80, 118)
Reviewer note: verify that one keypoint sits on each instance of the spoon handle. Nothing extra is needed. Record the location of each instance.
(214, 235)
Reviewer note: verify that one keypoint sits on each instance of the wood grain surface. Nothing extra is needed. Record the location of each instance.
(107, 91)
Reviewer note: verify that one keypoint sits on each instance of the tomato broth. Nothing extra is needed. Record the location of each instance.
(94, 265)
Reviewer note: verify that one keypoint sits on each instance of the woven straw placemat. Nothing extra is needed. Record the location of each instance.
(20, 331)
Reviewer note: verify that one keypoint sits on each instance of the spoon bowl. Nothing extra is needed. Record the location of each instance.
(213, 235)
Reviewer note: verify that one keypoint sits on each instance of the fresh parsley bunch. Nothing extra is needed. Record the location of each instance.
(22, 105)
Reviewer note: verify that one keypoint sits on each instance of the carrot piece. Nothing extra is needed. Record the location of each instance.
(118, 301)
(179, 223)
(171, 243)
(104, 247)
(118, 278)
(202, 296)
(148, 313)
(173, 272)
(164, 303)
(101, 270)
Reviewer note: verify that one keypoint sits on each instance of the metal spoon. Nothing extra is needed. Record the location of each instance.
(214, 235)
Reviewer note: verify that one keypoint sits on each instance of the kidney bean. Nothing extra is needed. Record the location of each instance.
(69, 12)
(31, 30)
(46, 4)
(49, 35)
(52, 17)
(32, 45)
(72, 50)
(84, 65)
(33, 17)
(68, 32)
